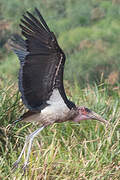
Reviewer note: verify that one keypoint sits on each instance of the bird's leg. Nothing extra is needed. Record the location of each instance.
(29, 140)
(19, 158)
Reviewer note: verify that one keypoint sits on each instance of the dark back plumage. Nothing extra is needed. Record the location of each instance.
(42, 63)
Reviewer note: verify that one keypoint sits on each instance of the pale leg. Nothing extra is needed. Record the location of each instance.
(29, 140)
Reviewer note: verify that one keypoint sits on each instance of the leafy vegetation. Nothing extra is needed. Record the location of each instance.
(89, 32)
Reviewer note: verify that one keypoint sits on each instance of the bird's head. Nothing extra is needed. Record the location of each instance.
(85, 113)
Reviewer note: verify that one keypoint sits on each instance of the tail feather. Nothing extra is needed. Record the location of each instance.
(24, 116)
(18, 120)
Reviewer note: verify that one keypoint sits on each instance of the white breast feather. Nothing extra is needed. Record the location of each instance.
(57, 108)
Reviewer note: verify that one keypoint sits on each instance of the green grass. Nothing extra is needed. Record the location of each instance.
(67, 151)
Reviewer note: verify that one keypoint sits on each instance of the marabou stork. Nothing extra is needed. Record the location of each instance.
(41, 79)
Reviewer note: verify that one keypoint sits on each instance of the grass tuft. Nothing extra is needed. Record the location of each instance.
(87, 150)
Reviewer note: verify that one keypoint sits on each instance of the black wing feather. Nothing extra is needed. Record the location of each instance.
(19, 47)
(42, 20)
(42, 63)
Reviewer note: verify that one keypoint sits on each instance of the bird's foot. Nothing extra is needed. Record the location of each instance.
(24, 167)
(15, 165)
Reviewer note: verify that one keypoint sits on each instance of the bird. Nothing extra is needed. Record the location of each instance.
(40, 80)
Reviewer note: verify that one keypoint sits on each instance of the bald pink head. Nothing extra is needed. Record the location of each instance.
(85, 113)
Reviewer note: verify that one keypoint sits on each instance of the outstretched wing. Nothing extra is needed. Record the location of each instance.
(42, 63)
